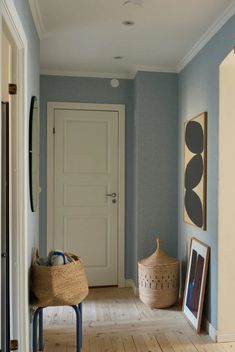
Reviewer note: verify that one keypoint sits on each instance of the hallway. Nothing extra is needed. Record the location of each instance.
(114, 320)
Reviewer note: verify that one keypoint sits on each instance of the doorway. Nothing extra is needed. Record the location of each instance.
(14, 268)
(85, 187)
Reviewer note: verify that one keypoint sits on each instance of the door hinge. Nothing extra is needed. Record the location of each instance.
(14, 345)
(12, 89)
(53, 130)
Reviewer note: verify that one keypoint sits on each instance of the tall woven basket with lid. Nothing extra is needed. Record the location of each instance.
(159, 279)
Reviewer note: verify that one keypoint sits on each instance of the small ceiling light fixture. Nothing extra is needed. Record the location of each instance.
(114, 83)
(134, 2)
(128, 23)
(118, 57)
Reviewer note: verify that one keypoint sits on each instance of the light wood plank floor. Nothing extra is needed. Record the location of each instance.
(114, 320)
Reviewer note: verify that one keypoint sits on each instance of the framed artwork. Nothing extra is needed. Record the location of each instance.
(196, 282)
(195, 160)
(34, 153)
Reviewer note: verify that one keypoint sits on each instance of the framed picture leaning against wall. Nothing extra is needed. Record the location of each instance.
(196, 282)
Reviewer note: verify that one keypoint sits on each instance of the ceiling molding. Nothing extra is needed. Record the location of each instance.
(163, 69)
(216, 26)
(130, 75)
(37, 18)
(86, 74)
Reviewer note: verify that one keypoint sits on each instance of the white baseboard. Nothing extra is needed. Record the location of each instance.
(225, 337)
(215, 335)
(130, 283)
(212, 332)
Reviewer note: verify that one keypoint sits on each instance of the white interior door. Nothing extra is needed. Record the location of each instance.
(86, 190)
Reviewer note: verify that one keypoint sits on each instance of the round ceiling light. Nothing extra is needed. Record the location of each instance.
(114, 83)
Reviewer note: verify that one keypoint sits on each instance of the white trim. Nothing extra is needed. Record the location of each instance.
(12, 20)
(10, 17)
(37, 17)
(214, 28)
(225, 337)
(71, 73)
(162, 69)
(209, 328)
(215, 335)
(130, 283)
(51, 106)
(130, 75)
(121, 187)
(50, 173)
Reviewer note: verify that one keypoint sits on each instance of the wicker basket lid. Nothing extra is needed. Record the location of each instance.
(158, 258)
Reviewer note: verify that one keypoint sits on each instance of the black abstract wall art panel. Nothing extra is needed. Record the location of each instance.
(195, 160)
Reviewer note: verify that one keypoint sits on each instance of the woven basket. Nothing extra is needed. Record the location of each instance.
(58, 285)
(159, 279)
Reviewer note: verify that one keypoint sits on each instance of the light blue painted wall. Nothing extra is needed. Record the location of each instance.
(156, 161)
(198, 92)
(151, 169)
(90, 90)
(151, 146)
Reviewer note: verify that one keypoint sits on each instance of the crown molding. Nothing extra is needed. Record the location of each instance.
(163, 69)
(130, 75)
(37, 17)
(71, 73)
(216, 26)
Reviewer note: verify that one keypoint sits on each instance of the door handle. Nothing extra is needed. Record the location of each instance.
(113, 195)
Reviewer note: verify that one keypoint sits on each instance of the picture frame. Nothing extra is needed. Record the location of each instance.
(195, 171)
(34, 153)
(196, 282)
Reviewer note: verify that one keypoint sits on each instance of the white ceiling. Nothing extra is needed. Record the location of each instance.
(81, 37)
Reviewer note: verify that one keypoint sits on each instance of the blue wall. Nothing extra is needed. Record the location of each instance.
(156, 161)
(151, 169)
(154, 151)
(90, 90)
(198, 92)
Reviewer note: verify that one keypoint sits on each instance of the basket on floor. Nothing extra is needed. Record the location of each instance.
(58, 285)
(159, 279)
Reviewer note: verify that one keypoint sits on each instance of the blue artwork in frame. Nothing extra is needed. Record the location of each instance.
(196, 282)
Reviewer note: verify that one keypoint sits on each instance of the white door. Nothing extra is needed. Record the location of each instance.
(86, 190)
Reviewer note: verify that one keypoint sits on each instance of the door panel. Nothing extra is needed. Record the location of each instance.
(85, 146)
(85, 231)
(86, 170)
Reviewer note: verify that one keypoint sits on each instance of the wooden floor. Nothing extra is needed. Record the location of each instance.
(114, 320)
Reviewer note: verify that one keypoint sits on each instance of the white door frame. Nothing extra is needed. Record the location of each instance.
(11, 24)
(51, 106)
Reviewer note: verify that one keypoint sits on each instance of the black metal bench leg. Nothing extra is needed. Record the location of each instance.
(41, 330)
(35, 327)
(39, 313)
(78, 327)
(80, 330)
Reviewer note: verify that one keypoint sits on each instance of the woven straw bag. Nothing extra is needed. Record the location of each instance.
(58, 285)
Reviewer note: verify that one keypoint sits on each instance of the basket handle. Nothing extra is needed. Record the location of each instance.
(158, 244)
(35, 255)
(70, 256)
